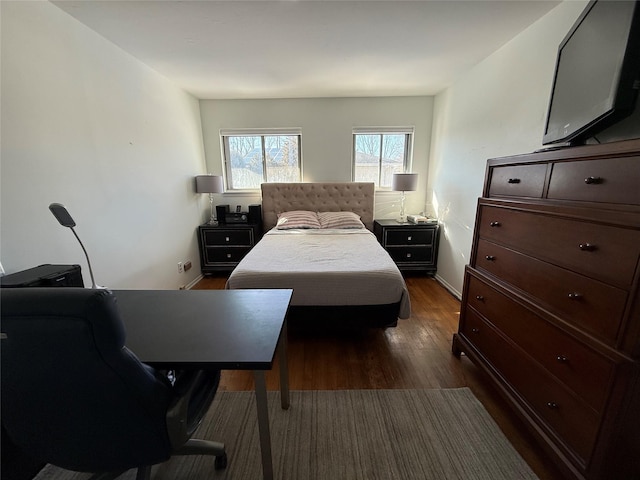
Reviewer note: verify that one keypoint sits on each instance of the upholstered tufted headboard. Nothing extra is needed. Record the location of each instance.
(354, 197)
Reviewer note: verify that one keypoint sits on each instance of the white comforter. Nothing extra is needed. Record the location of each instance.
(324, 267)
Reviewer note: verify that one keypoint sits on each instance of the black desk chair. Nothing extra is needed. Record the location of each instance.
(74, 396)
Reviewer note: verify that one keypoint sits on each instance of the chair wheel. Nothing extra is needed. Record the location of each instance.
(220, 462)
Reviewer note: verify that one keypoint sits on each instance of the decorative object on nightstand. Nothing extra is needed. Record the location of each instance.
(418, 219)
(412, 246)
(210, 184)
(404, 182)
(65, 219)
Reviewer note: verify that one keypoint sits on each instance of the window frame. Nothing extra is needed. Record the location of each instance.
(407, 164)
(225, 134)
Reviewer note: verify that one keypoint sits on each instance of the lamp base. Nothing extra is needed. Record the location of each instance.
(212, 219)
(402, 218)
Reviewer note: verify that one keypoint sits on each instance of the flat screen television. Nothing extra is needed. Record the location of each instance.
(597, 75)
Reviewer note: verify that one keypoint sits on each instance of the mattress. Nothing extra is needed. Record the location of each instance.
(324, 267)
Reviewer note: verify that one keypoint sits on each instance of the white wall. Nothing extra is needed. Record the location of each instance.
(498, 108)
(87, 125)
(327, 125)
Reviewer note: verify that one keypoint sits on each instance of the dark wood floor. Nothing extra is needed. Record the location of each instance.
(415, 354)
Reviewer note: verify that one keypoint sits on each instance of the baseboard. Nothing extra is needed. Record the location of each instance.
(449, 288)
(193, 283)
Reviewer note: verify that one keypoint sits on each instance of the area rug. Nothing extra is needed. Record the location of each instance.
(350, 434)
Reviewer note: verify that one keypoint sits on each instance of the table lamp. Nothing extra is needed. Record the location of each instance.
(404, 182)
(210, 184)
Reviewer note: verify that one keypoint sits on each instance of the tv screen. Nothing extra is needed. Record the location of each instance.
(597, 74)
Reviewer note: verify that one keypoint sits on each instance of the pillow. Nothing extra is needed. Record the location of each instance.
(340, 220)
(297, 219)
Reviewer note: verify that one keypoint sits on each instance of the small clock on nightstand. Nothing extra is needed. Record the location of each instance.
(412, 246)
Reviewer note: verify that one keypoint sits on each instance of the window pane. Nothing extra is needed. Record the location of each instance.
(367, 158)
(379, 155)
(253, 159)
(393, 157)
(246, 162)
(282, 158)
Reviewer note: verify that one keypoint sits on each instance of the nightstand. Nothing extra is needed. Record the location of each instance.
(222, 246)
(412, 246)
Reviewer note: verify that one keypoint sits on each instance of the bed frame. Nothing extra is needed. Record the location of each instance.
(357, 197)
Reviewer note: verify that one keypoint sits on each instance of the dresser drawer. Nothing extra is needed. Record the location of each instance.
(604, 252)
(589, 304)
(613, 180)
(229, 237)
(518, 181)
(580, 368)
(407, 236)
(225, 254)
(411, 254)
(561, 411)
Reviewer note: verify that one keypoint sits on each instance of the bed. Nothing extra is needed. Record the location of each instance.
(340, 274)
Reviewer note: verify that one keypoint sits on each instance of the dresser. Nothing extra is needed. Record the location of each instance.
(412, 246)
(222, 246)
(550, 307)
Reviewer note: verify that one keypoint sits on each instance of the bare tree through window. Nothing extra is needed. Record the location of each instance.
(254, 159)
(377, 156)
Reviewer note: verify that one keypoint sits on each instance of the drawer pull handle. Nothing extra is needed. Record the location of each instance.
(513, 180)
(409, 239)
(408, 255)
(593, 180)
(552, 405)
(562, 359)
(475, 330)
(494, 224)
(228, 255)
(226, 239)
(575, 296)
(587, 247)
(491, 258)
(480, 298)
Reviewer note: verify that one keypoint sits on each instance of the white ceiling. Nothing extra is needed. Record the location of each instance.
(306, 48)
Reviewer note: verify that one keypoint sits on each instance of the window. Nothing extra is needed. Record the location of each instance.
(378, 153)
(254, 157)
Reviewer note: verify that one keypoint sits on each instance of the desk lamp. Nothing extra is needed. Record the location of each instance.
(210, 184)
(404, 182)
(65, 219)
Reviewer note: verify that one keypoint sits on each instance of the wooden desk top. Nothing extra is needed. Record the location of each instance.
(222, 329)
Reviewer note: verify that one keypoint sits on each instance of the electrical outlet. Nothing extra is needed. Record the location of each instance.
(187, 265)
(180, 267)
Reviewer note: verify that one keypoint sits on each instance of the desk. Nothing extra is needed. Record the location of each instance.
(215, 329)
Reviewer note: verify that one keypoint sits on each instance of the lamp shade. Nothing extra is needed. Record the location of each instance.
(209, 184)
(404, 182)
